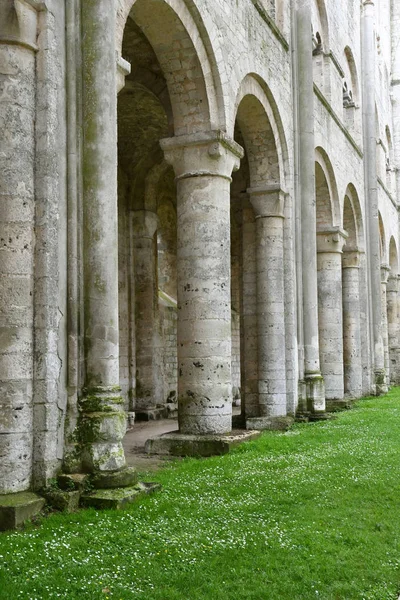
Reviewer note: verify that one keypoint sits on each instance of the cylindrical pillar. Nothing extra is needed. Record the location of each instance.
(268, 204)
(312, 374)
(353, 387)
(203, 164)
(103, 422)
(144, 226)
(330, 315)
(392, 297)
(371, 214)
(249, 355)
(385, 270)
(18, 22)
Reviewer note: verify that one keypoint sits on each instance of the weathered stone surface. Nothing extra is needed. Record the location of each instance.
(181, 444)
(71, 481)
(269, 423)
(17, 508)
(67, 501)
(117, 498)
(124, 477)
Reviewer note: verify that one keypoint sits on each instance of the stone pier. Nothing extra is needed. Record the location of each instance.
(353, 384)
(103, 422)
(392, 294)
(385, 270)
(268, 204)
(17, 217)
(144, 226)
(330, 245)
(314, 402)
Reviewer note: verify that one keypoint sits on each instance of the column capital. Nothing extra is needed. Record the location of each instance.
(144, 223)
(208, 153)
(18, 22)
(393, 283)
(267, 201)
(123, 69)
(385, 270)
(331, 239)
(351, 259)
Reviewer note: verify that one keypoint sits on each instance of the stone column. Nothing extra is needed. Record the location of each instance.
(392, 296)
(18, 23)
(249, 357)
(144, 226)
(353, 387)
(103, 420)
(385, 270)
(371, 213)
(366, 330)
(203, 164)
(268, 204)
(330, 244)
(315, 392)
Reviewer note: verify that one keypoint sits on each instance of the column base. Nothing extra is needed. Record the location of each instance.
(118, 498)
(180, 444)
(381, 387)
(101, 429)
(315, 393)
(270, 423)
(337, 405)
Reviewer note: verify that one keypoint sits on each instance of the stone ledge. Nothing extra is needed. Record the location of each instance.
(117, 499)
(17, 508)
(269, 423)
(179, 444)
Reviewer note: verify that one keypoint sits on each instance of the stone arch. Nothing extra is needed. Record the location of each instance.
(352, 70)
(393, 257)
(353, 205)
(263, 103)
(178, 36)
(327, 199)
(319, 19)
(382, 238)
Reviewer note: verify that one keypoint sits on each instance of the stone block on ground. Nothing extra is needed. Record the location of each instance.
(117, 498)
(73, 481)
(124, 477)
(178, 444)
(17, 508)
(67, 501)
(269, 423)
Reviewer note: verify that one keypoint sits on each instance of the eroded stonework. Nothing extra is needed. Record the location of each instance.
(199, 208)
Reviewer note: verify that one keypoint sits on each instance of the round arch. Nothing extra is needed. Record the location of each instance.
(262, 101)
(324, 166)
(180, 41)
(354, 204)
(382, 237)
(393, 257)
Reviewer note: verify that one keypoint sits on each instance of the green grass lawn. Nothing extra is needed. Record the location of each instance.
(313, 513)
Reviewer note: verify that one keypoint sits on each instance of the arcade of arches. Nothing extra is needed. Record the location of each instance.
(198, 220)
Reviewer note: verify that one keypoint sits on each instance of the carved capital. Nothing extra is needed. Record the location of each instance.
(209, 154)
(144, 223)
(385, 270)
(267, 201)
(331, 239)
(351, 259)
(123, 69)
(18, 22)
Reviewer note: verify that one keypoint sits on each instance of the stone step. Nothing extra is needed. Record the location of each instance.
(117, 498)
(17, 508)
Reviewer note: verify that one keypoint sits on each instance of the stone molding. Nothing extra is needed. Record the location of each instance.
(209, 154)
(19, 25)
(267, 201)
(351, 259)
(331, 239)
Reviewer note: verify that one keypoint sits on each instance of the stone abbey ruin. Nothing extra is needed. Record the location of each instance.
(199, 208)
